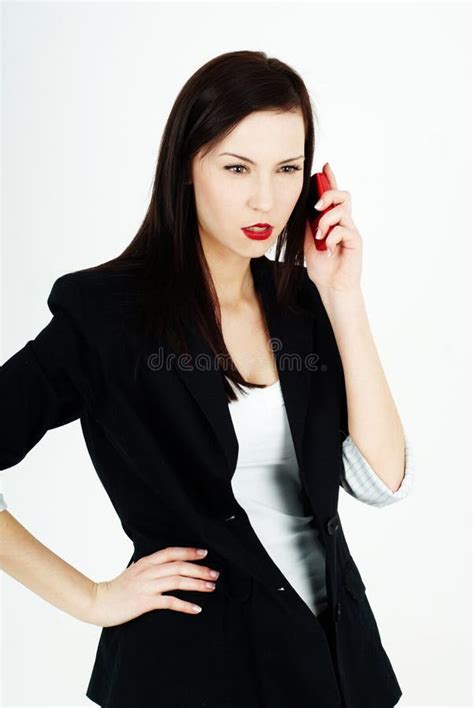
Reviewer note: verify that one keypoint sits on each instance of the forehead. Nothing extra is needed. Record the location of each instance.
(264, 136)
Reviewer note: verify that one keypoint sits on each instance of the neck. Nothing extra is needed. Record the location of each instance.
(233, 279)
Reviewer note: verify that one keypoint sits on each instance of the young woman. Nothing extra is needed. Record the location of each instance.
(216, 389)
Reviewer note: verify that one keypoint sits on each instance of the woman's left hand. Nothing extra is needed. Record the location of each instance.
(340, 271)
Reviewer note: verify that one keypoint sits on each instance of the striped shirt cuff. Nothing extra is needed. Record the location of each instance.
(363, 483)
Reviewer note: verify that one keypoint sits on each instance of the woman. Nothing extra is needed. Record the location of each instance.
(216, 389)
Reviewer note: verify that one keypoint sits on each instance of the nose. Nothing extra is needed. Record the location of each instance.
(262, 199)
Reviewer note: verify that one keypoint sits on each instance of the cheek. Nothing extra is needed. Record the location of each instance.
(219, 211)
(207, 203)
(291, 195)
(217, 194)
(225, 205)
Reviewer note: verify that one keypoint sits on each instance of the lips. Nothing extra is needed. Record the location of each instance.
(258, 232)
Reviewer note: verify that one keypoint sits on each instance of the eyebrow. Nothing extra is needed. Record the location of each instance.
(246, 159)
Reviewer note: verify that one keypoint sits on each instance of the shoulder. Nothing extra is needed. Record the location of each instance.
(93, 297)
(93, 281)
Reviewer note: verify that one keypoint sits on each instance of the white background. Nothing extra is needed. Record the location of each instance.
(87, 88)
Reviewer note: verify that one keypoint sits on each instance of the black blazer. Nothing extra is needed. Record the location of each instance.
(161, 439)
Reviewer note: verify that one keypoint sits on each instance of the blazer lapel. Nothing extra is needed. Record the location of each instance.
(292, 341)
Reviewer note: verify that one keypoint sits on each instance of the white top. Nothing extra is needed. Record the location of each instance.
(267, 485)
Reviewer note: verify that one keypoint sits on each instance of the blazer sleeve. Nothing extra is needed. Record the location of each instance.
(48, 382)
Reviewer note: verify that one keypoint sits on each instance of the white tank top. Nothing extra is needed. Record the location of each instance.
(267, 485)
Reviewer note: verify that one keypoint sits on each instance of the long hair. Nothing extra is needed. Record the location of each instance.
(166, 254)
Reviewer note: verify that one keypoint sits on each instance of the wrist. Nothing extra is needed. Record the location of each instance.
(91, 610)
(333, 295)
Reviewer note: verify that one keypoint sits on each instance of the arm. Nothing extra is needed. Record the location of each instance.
(27, 560)
(373, 420)
(46, 384)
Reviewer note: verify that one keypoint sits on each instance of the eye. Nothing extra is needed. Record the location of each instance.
(234, 167)
(293, 168)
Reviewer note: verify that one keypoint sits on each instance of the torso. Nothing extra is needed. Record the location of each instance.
(248, 343)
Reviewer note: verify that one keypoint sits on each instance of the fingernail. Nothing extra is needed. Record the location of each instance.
(329, 252)
(319, 234)
(196, 608)
(201, 552)
(318, 204)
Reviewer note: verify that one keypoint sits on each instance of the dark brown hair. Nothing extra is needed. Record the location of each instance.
(166, 252)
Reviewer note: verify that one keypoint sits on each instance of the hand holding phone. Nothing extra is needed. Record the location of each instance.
(318, 185)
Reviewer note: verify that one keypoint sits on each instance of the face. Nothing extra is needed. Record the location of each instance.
(233, 192)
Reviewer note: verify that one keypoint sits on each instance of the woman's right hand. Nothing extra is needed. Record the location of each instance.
(138, 589)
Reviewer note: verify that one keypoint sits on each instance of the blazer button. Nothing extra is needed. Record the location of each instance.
(332, 525)
(230, 518)
(282, 588)
(338, 610)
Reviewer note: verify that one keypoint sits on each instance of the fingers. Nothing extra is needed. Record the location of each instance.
(169, 602)
(182, 582)
(171, 553)
(172, 569)
(335, 238)
(174, 560)
(333, 196)
(336, 216)
(184, 568)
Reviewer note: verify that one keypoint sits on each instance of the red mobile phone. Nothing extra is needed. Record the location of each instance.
(318, 185)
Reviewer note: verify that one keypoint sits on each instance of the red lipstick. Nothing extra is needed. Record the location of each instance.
(259, 233)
